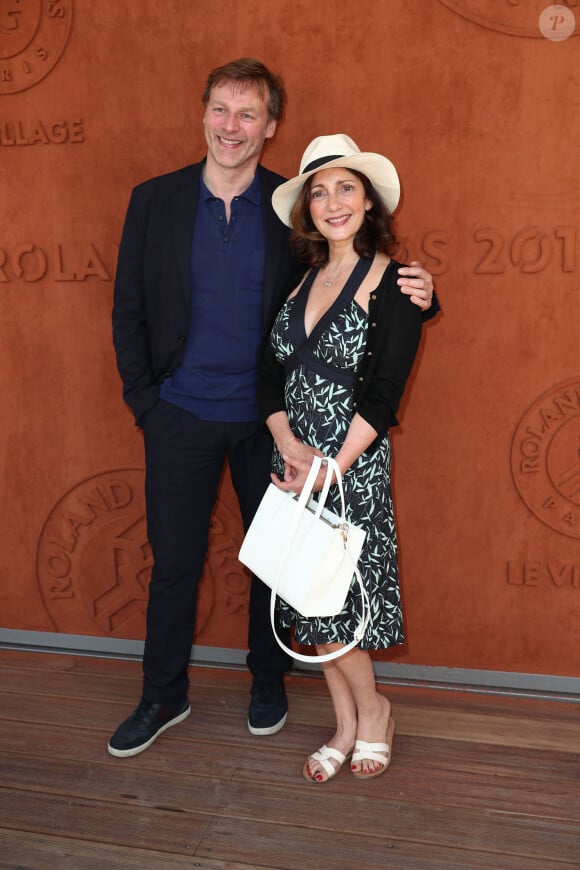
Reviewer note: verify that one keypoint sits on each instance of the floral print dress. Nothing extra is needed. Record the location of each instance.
(318, 394)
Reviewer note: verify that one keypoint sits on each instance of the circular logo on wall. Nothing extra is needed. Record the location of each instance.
(33, 36)
(94, 559)
(534, 18)
(545, 458)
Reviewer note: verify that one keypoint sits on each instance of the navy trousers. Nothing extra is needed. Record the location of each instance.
(184, 458)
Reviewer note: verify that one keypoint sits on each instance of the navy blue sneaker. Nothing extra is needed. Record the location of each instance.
(268, 708)
(137, 733)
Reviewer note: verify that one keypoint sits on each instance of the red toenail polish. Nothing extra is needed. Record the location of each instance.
(318, 777)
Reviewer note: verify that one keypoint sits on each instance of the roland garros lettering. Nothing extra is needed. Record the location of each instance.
(14, 133)
(105, 498)
(30, 262)
(549, 416)
(33, 36)
(56, 9)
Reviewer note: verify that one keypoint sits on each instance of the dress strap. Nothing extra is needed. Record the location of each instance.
(305, 344)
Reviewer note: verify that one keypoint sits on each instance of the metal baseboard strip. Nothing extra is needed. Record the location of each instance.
(549, 687)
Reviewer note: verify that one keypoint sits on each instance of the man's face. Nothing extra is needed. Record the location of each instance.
(236, 125)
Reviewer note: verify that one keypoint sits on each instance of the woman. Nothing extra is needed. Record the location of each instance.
(331, 380)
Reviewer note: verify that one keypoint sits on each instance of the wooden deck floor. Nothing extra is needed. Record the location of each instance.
(476, 781)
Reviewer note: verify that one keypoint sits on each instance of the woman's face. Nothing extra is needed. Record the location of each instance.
(338, 204)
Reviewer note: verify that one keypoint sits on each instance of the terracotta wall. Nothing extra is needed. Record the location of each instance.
(481, 114)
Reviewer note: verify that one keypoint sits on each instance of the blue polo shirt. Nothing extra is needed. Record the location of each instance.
(217, 376)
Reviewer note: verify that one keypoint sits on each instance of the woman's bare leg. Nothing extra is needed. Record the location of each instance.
(356, 701)
(345, 713)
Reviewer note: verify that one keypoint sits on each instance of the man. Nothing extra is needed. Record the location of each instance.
(204, 265)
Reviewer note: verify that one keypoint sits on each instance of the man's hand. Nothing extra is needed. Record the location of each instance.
(417, 283)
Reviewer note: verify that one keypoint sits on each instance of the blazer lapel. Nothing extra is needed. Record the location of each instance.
(183, 208)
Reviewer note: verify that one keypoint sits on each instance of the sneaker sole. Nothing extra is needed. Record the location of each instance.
(273, 729)
(128, 753)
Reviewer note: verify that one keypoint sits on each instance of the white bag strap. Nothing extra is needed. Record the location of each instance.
(332, 467)
(328, 657)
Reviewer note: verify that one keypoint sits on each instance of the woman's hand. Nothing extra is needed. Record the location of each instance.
(297, 468)
(298, 450)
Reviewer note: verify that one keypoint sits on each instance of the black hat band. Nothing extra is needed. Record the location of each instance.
(320, 162)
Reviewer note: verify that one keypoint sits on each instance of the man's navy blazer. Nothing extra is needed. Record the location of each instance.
(152, 303)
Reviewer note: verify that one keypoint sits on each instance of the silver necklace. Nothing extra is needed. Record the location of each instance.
(333, 280)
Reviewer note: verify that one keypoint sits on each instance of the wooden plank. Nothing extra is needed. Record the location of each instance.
(88, 712)
(211, 797)
(127, 823)
(33, 852)
(491, 728)
(447, 724)
(477, 781)
(263, 843)
(25, 851)
(545, 784)
(221, 722)
(215, 689)
(313, 849)
(304, 688)
(74, 683)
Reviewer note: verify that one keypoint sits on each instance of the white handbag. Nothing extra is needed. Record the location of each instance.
(306, 554)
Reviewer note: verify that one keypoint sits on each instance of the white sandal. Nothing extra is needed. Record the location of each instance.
(380, 752)
(323, 756)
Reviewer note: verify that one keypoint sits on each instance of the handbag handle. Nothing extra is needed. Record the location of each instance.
(332, 467)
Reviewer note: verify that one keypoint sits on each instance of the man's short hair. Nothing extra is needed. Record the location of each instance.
(246, 71)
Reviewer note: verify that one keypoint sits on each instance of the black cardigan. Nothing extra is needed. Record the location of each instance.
(394, 331)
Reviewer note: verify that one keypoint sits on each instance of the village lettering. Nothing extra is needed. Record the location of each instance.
(41, 132)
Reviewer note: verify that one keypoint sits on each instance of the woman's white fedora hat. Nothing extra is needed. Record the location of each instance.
(325, 152)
